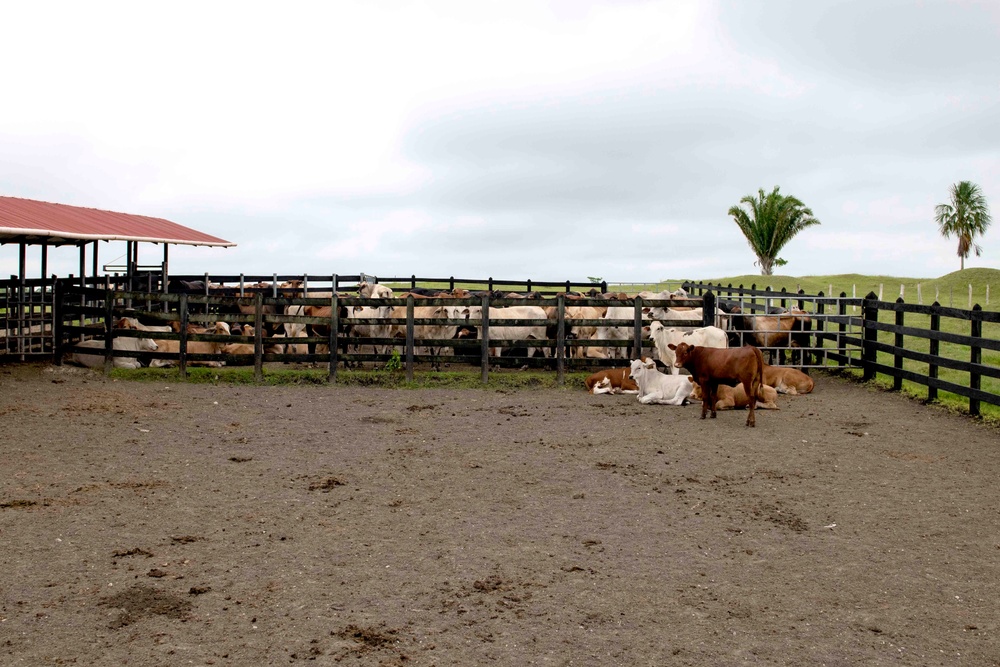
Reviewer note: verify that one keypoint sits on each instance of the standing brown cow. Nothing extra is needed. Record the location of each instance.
(711, 366)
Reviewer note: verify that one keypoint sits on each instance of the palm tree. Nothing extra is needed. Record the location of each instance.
(769, 222)
(967, 216)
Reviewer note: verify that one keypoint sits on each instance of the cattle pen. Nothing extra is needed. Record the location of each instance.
(873, 337)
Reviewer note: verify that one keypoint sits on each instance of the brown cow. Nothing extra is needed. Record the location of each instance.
(612, 381)
(711, 366)
(735, 398)
(787, 380)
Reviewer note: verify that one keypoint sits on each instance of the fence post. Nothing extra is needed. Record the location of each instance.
(934, 351)
(334, 331)
(413, 281)
(451, 283)
(637, 330)
(869, 316)
(409, 337)
(561, 339)
(182, 344)
(57, 322)
(842, 328)
(109, 332)
(897, 363)
(484, 335)
(258, 337)
(818, 358)
(604, 287)
(976, 357)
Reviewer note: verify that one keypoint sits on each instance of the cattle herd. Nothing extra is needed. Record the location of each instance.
(723, 372)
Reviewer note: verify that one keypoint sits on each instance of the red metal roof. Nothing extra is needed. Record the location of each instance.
(39, 222)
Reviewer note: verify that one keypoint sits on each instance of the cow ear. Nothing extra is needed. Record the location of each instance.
(672, 346)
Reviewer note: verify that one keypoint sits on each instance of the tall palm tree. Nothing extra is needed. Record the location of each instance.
(967, 216)
(769, 221)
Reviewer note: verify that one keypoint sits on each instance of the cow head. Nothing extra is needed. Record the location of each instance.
(639, 367)
(682, 353)
(696, 394)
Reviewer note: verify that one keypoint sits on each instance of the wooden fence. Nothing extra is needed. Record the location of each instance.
(944, 349)
(88, 312)
(916, 342)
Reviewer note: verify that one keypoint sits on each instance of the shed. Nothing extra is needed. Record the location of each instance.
(29, 222)
(26, 303)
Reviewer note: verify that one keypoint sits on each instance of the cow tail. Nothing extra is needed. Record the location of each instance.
(757, 384)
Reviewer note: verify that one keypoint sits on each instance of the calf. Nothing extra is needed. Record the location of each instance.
(612, 381)
(787, 380)
(657, 387)
(731, 398)
(711, 367)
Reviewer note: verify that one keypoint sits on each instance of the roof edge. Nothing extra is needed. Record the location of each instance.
(48, 233)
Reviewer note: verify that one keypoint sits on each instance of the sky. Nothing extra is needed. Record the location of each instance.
(516, 139)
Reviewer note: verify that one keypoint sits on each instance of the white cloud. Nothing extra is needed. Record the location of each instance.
(542, 139)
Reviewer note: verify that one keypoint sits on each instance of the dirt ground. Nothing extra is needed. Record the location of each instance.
(170, 524)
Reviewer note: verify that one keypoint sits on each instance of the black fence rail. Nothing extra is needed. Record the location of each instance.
(943, 349)
(26, 317)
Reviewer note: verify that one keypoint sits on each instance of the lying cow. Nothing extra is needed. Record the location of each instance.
(664, 337)
(787, 380)
(711, 367)
(612, 381)
(193, 347)
(657, 387)
(735, 398)
(96, 360)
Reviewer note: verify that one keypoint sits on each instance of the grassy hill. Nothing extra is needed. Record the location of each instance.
(950, 289)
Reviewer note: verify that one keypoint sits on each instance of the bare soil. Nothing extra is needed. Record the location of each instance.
(153, 524)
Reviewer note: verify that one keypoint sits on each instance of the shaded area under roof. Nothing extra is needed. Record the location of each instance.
(44, 223)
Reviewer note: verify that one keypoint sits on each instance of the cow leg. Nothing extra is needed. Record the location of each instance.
(751, 391)
(713, 388)
(705, 398)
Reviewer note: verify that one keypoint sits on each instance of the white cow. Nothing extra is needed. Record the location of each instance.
(499, 331)
(381, 330)
(616, 332)
(663, 337)
(657, 387)
(374, 291)
(97, 360)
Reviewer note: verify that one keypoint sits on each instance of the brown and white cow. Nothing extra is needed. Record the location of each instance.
(612, 381)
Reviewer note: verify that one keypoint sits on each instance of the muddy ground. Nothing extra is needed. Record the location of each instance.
(169, 524)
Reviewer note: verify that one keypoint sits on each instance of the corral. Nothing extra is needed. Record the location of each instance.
(152, 523)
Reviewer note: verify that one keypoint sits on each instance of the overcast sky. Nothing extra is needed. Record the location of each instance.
(513, 139)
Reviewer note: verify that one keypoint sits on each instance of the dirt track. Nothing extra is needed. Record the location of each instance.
(145, 524)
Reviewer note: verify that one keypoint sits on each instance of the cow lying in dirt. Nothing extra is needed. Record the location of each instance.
(612, 381)
(787, 380)
(735, 398)
(657, 387)
(96, 360)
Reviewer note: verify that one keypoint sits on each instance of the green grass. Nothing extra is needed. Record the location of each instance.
(466, 379)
